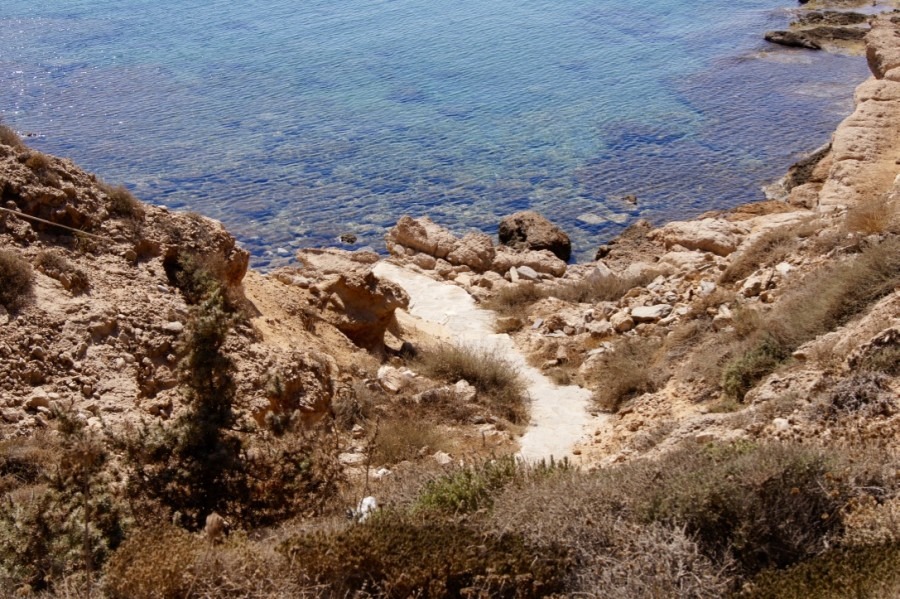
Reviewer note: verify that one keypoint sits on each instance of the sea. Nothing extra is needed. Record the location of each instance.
(297, 121)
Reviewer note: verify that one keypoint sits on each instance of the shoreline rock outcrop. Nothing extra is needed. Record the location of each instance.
(529, 230)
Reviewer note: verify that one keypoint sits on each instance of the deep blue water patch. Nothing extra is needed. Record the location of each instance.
(296, 122)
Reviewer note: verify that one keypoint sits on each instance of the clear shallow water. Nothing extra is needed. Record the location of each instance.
(294, 122)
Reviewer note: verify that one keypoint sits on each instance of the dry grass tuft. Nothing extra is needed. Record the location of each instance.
(404, 439)
(871, 217)
(501, 388)
(53, 264)
(592, 289)
(8, 137)
(511, 300)
(630, 369)
(16, 280)
(772, 247)
(122, 202)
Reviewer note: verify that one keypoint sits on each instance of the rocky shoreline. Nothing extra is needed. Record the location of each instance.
(131, 349)
(770, 330)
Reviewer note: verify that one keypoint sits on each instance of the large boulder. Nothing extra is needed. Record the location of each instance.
(529, 230)
(351, 296)
(475, 250)
(717, 236)
(542, 261)
(420, 235)
(423, 242)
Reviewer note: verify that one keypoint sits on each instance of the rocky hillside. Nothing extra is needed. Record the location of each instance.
(743, 367)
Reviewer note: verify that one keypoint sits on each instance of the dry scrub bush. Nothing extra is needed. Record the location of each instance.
(885, 358)
(770, 248)
(398, 555)
(500, 386)
(165, 562)
(53, 264)
(760, 505)
(41, 166)
(865, 394)
(871, 217)
(356, 407)
(58, 517)
(824, 300)
(839, 573)
(198, 276)
(404, 438)
(631, 368)
(831, 296)
(16, 280)
(743, 372)
(510, 300)
(613, 556)
(8, 137)
(766, 505)
(592, 289)
(122, 202)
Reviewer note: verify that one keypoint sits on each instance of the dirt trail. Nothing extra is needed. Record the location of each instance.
(559, 416)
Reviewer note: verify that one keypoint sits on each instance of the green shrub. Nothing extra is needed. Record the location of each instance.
(393, 555)
(742, 373)
(469, 489)
(499, 383)
(16, 280)
(57, 516)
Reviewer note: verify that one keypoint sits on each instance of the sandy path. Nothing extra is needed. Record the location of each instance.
(559, 416)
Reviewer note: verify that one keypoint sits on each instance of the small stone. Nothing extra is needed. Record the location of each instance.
(622, 322)
(38, 399)
(173, 327)
(358, 432)
(781, 424)
(442, 458)
(87, 389)
(162, 289)
(348, 238)
(528, 273)
(783, 268)
(600, 328)
(707, 287)
(537, 324)
(464, 390)
(650, 313)
(513, 275)
(38, 352)
(11, 415)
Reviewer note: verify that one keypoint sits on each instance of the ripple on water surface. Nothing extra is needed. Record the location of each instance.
(294, 123)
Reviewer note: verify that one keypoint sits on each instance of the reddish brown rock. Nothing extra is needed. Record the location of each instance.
(530, 230)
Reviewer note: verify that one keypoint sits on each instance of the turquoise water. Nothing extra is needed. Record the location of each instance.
(294, 122)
